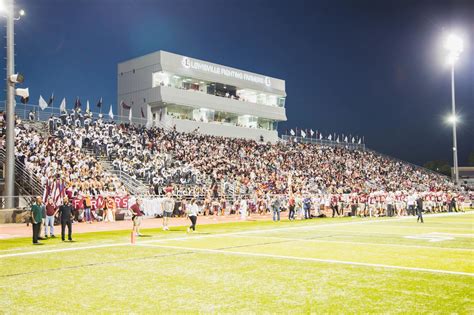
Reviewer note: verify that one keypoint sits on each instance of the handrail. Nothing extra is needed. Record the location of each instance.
(23, 177)
(133, 185)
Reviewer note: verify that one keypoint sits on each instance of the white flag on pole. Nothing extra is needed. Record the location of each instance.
(62, 107)
(311, 132)
(42, 103)
(360, 140)
(337, 140)
(130, 115)
(303, 134)
(345, 139)
(330, 137)
(292, 132)
(111, 113)
(87, 107)
(320, 136)
(353, 139)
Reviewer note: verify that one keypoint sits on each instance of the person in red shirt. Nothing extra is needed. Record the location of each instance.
(291, 206)
(51, 210)
(137, 215)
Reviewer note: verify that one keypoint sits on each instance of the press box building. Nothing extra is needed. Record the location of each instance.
(165, 89)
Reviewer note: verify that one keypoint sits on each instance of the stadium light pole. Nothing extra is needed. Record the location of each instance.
(454, 46)
(8, 7)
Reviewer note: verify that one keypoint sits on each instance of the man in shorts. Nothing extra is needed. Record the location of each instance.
(137, 215)
(168, 206)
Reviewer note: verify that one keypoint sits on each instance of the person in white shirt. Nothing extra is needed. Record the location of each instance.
(243, 208)
(411, 204)
(192, 212)
(168, 207)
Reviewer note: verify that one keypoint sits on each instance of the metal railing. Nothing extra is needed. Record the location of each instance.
(33, 112)
(354, 146)
(133, 185)
(27, 184)
(325, 142)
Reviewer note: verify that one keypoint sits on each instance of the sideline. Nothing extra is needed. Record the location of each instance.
(188, 237)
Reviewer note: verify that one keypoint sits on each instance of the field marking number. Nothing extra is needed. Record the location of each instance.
(431, 237)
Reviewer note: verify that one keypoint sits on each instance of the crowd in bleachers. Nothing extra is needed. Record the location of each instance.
(61, 166)
(226, 175)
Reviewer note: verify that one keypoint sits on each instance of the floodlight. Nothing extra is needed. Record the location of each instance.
(16, 78)
(22, 92)
(22, 12)
(454, 44)
(452, 119)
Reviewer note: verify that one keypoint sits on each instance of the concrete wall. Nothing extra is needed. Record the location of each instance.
(216, 129)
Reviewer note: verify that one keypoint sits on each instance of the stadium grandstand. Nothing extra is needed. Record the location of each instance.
(98, 157)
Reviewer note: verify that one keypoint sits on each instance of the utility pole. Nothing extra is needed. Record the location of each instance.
(9, 190)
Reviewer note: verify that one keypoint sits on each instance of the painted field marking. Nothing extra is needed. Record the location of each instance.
(414, 226)
(188, 237)
(430, 237)
(455, 234)
(333, 261)
(357, 243)
(7, 236)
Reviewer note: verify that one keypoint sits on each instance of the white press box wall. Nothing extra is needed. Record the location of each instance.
(135, 88)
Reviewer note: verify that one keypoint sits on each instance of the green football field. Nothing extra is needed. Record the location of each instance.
(342, 265)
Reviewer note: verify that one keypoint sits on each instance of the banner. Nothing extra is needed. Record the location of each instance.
(99, 202)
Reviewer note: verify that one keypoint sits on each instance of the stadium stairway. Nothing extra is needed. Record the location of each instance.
(27, 186)
(133, 185)
(40, 127)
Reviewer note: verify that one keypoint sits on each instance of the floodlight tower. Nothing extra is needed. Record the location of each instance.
(8, 9)
(454, 46)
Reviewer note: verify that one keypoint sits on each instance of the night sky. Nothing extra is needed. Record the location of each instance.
(371, 68)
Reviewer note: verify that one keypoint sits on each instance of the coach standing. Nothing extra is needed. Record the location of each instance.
(36, 218)
(137, 214)
(65, 214)
(419, 208)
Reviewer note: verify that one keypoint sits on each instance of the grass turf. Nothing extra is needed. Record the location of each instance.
(262, 267)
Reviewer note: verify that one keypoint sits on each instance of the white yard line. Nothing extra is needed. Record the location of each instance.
(454, 234)
(188, 237)
(423, 226)
(357, 243)
(59, 250)
(333, 261)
